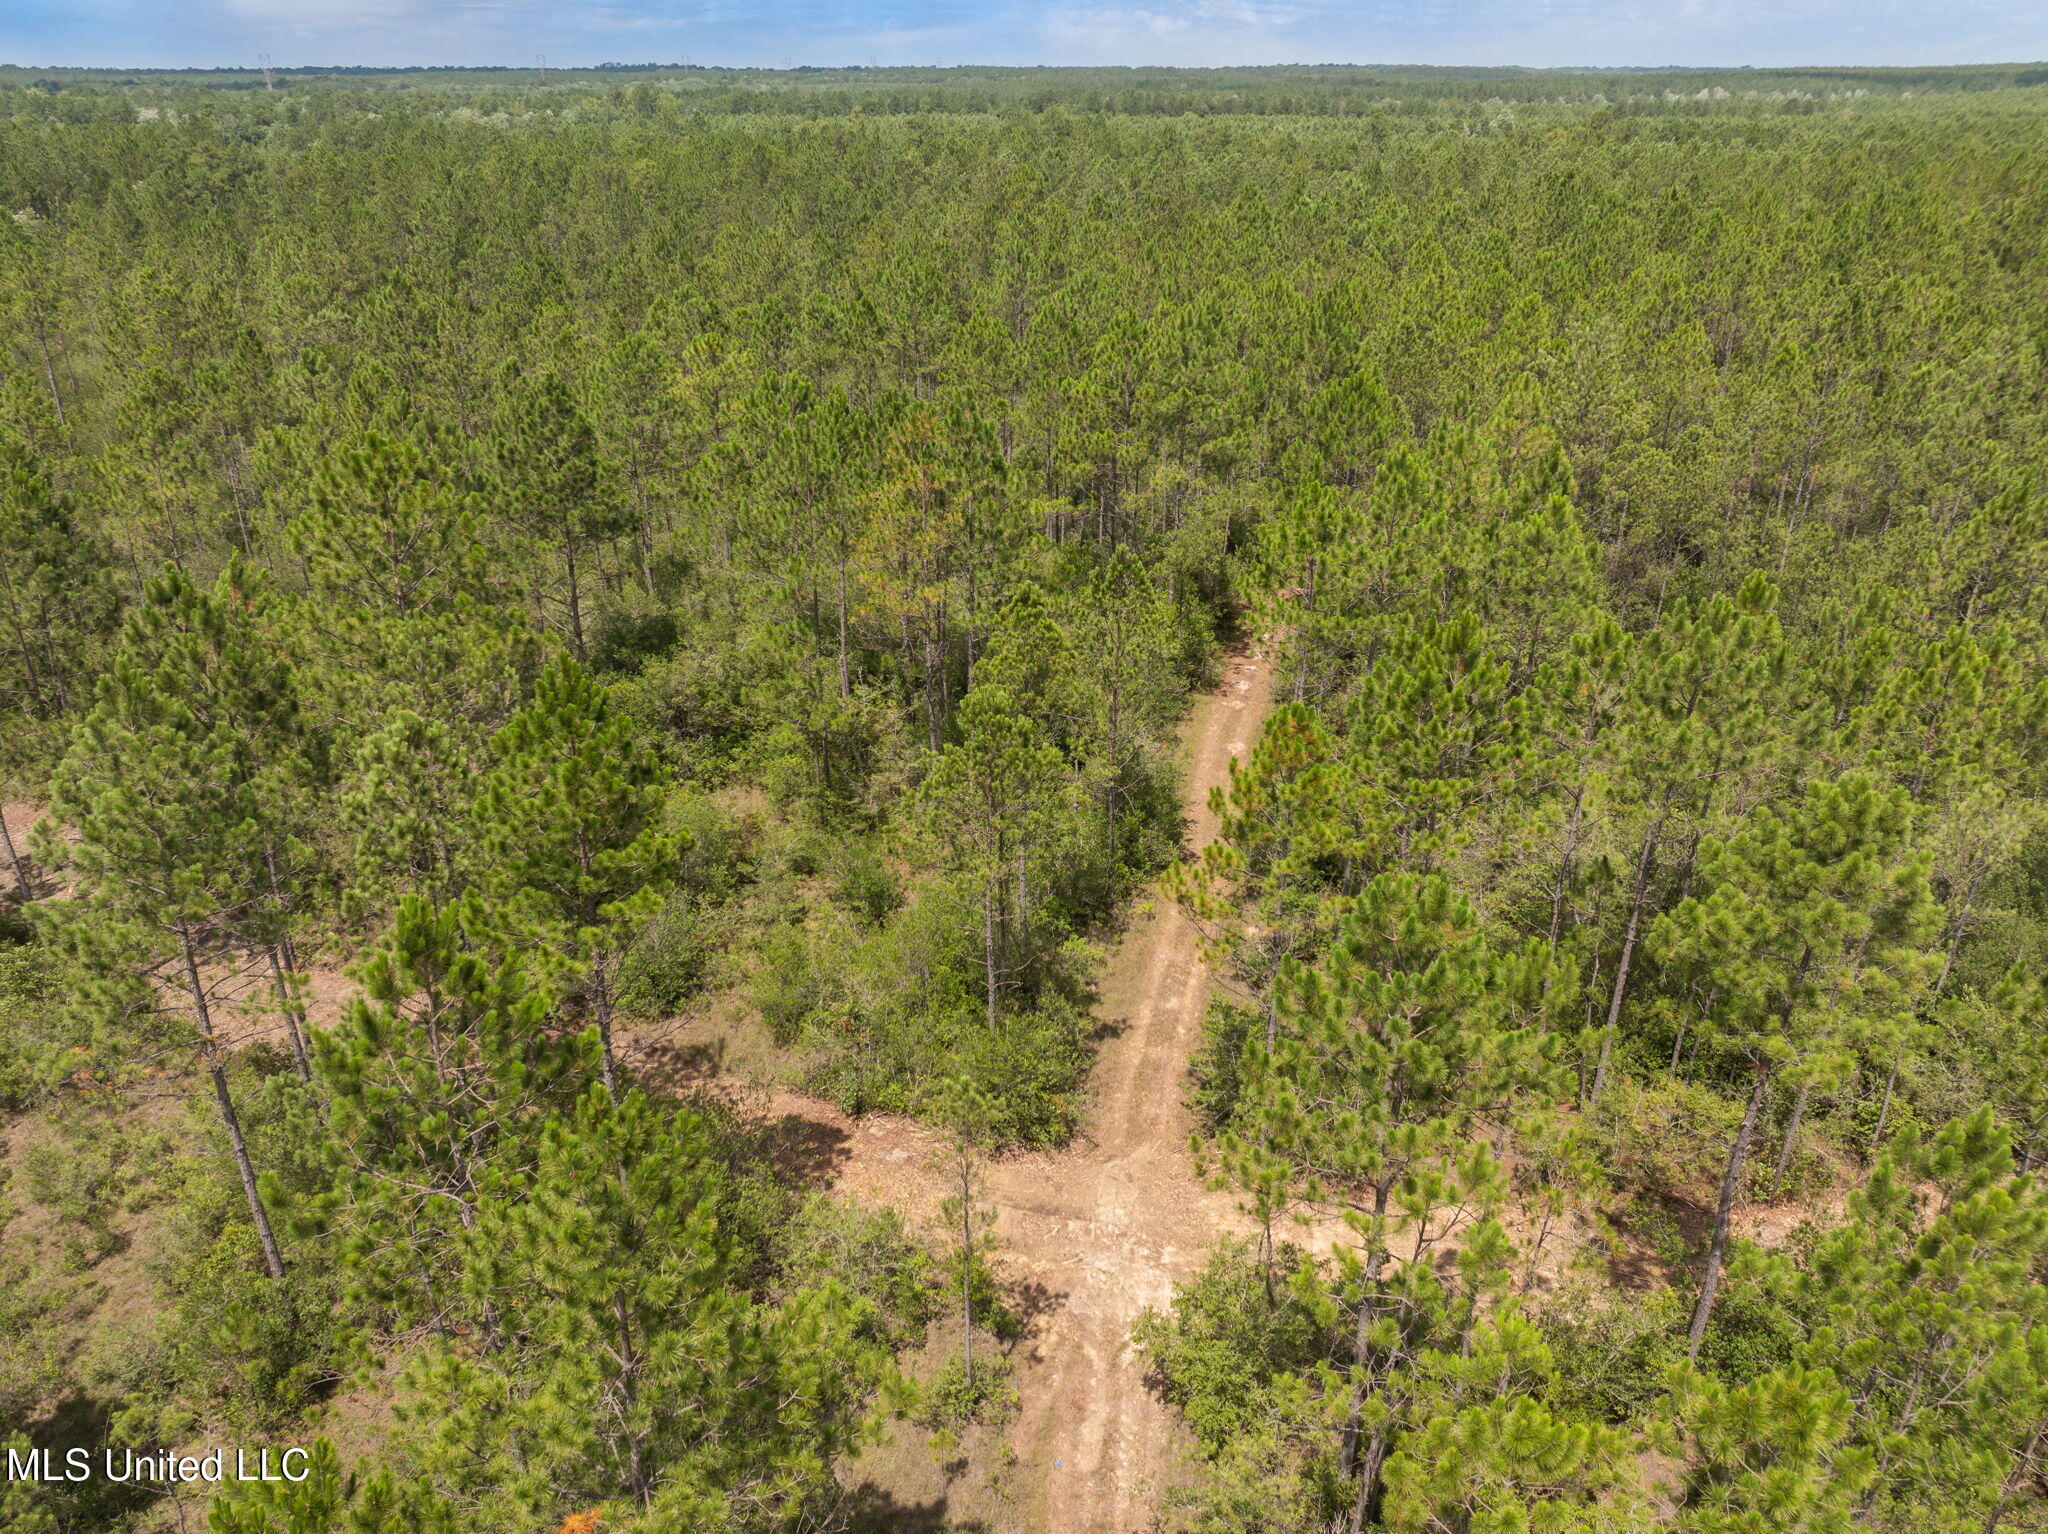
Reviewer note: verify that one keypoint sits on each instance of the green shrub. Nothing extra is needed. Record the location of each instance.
(674, 955)
(1219, 1346)
(1669, 1137)
(627, 641)
(37, 1309)
(1612, 1349)
(83, 1172)
(870, 1252)
(865, 886)
(30, 1052)
(790, 984)
(1034, 1065)
(1216, 1073)
(953, 1400)
(804, 850)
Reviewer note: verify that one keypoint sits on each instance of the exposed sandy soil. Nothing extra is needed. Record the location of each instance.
(19, 816)
(1086, 1238)
(1107, 1228)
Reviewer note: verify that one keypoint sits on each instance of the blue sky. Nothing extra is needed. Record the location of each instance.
(1193, 32)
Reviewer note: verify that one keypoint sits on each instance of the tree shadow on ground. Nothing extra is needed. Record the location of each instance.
(678, 1068)
(805, 1152)
(1661, 1239)
(871, 1510)
(1031, 1302)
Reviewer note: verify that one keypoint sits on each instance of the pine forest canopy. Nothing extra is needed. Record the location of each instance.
(506, 573)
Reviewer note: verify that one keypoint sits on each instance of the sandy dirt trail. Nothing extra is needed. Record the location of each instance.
(1088, 1237)
(1106, 1228)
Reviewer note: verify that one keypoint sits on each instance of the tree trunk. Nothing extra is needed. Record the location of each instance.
(600, 995)
(931, 695)
(967, 1266)
(629, 1364)
(1023, 906)
(1884, 1110)
(845, 689)
(1711, 1280)
(643, 535)
(14, 858)
(1109, 787)
(988, 945)
(1628, 952)
(1347, 1452)
(575, 598)
(1366, 1507)
(1536, 1251)
(1564, 865)
(1791, 1138)
(49, 363)
(2016, 1478)
(31, 675)
(287, 1008)
(283, 961)
(967, 615)
(217, 1069)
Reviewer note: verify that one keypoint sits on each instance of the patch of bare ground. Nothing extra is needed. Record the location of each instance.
(20, 817)
(1086, 1238)
(1774, 1224)
(1638, 1260)
(1096, 1234)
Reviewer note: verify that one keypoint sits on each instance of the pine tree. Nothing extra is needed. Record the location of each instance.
(1926, 1304)
(1774, 1452)
(1812, 917)
(1125, 628)
(570, 833)
(1433, 737)
(550, 480)
(168, 855)
(982, 798)
(636, 420)
(1572, 713)
(436, 1082)
(1384, 1059)
(405, 806)
(1506, 1464)
(1271, 884)
(1699, 718)
(635, 1372)
(968, 1115)
(55, 593)
(390, 526)
(328, 1500)
(913, 522)
(218, 652)
(2010, 1027)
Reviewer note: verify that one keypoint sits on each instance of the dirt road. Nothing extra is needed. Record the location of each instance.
(1109, 1226)
(1094, 1234)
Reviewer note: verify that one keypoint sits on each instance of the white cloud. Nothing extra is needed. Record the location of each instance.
(1177, 31)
